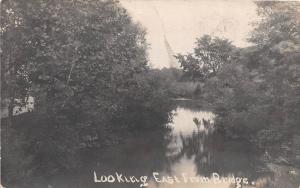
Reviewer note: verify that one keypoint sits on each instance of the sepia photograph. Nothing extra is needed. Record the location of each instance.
(150, 93)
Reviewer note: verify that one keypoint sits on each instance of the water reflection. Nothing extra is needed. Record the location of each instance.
(188, 148)
(183, 121)
(197, 151)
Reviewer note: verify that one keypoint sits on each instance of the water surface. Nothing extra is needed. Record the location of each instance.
(187, 153)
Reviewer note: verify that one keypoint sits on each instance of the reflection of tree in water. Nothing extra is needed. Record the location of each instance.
(140, 154)
(212, 153)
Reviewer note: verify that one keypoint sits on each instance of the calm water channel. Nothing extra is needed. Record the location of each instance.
(187, 155)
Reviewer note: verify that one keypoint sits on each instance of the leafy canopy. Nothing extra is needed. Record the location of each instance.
(208, 57)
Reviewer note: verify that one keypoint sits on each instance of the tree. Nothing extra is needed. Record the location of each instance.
(208, 57)
(258, 97)
(84, 63)
(279, 23)
(277, 39)
(75, 62)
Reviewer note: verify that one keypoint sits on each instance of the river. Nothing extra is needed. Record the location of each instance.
(186, 155)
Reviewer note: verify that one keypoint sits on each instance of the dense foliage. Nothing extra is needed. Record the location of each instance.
(257, 98)
(85, 65)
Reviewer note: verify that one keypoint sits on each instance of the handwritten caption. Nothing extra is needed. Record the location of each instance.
(143, 181)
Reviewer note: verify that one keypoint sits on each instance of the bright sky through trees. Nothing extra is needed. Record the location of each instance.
(182, 21)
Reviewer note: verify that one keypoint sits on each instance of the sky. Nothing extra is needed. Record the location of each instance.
(182, 21)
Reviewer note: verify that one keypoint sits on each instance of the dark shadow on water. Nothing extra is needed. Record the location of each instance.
(142, 152)
(212, 153)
